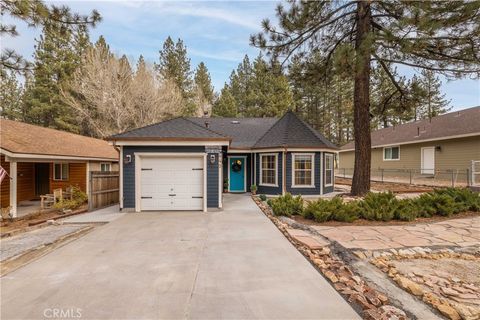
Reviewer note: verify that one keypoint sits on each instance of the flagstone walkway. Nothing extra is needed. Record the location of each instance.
(455, 232)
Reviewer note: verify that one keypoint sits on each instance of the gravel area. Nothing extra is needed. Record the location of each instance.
(13, 246)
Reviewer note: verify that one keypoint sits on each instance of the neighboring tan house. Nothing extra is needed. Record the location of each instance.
(185, 163)
(39, 160)
(446, 142)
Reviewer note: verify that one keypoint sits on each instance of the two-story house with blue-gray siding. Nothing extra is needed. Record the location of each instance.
(187, 163)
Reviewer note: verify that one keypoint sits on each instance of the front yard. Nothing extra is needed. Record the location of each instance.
(415, 258)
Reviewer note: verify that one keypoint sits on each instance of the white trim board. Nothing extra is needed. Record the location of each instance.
(244, 173)
(170, 143)
(29, 157)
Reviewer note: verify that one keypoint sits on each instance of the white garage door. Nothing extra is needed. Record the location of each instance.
(171, 183)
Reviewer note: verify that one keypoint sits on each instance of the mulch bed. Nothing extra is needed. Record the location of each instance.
(388, 186)
(363, 222)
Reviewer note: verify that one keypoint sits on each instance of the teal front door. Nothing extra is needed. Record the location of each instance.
(237, 174)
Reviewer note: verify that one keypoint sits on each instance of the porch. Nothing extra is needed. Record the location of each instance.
(29, 179)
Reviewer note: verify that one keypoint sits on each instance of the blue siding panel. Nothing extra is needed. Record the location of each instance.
(212, 181)
(317, 176)
(129, 172)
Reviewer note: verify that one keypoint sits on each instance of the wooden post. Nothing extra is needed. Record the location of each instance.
(13, 188)
(410, 170)
(90, 194)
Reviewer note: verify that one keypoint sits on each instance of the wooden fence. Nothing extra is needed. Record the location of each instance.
(104, 189)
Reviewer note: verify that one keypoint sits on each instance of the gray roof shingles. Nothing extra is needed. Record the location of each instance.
(457, 123)
(291, 131)
(177, 128)
(245, 133)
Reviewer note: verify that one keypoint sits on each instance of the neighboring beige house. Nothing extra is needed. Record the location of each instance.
(427, 147)
(39, 160)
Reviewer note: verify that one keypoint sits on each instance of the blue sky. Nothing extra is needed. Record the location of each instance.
(214, 32)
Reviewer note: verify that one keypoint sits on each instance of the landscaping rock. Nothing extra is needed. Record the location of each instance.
(448, 311)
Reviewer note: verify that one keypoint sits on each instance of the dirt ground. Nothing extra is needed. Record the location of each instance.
(27, 221)
(362, 222)
(388, 186)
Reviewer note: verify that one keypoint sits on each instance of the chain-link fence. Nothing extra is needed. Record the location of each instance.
(428, 177)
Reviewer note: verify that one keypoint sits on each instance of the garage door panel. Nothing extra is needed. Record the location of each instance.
(172, 183)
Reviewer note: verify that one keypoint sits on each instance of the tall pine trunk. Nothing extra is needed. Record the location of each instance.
(361, 101)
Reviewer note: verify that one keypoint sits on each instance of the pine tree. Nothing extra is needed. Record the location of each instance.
(241, 85)
(11, 96)
(174, 64)
(433, 102)
(226, 105)
(270, 91)
(56, 58)
(38, 14)
(204, 82)
(356, 34)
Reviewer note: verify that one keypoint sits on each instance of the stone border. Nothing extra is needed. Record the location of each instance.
(370, 303)
(446, 293)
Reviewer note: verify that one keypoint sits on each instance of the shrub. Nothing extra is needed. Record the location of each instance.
(379, 206)
(323, 210)
(406, 210)
(287, 205)
(253, 188)
(436, 203)
(465, 198)
(348, 212)
(262, 197)
(78, 198)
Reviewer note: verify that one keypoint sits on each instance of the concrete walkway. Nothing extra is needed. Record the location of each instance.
(454, 232)
(232, 264)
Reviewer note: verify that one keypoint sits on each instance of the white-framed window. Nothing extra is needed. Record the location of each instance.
(303, 165)
(105, 167)
(328, 169)
(268, 169)
(391, 153)
(60, 171)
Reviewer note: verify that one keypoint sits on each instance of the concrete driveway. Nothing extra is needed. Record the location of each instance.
(232, 264)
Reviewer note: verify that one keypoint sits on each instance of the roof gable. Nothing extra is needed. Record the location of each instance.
(22, 138)
(291, 131)
(457, 123)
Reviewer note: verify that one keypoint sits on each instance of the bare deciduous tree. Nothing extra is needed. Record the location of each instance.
(109, 97)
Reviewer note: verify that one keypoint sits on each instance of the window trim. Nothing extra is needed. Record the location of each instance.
(106, 163)
(261, 169)
(61, 171)
(390, 147)
(333, 169)
(312, 184)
